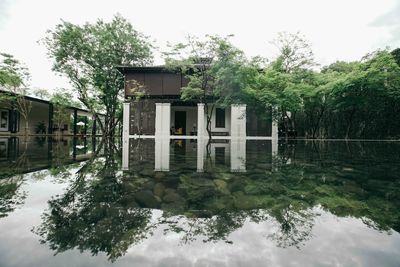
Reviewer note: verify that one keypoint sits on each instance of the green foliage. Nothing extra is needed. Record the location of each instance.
(12, 72)
(40, 128)
(211, 67)
(343, 100)
(88, 56)
(396, 55)
(104, 210)
(215, 69)
(360, 98)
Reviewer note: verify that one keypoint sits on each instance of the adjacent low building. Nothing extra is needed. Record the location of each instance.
(41, 119)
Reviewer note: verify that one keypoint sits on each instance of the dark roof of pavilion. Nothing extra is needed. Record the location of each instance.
(127, 69)
(149, 69)
(38, 100)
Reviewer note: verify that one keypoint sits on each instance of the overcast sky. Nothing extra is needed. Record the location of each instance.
(337, 29)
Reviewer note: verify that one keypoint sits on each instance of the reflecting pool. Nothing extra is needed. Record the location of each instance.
(146, 202)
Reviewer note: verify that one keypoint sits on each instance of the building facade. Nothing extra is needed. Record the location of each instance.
(161, 112)
(42, 120)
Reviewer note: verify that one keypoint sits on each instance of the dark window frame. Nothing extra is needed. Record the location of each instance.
(220, 118)
(6, 129)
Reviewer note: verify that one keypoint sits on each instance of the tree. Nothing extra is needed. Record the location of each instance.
(14, 77)
(294, 52)
(363, 97)
(396, 55)
(295, 58)
(88, 56)
(212, 67)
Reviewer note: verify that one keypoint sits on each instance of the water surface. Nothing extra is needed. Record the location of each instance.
(185, 203)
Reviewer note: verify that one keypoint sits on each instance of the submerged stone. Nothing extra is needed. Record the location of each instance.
(146, 199)
(159, 189)
(222, 186)
(172, 196)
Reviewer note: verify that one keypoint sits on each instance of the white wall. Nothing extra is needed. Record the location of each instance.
(227, 127)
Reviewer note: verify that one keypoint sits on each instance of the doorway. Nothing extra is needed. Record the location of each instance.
(180, 122)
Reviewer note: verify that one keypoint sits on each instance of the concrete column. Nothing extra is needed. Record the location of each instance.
(125, 154)
(125, 136)
(166, 121)
(200, 154)
(238, 155)
(274, 146)
(238, 121)
(161, 162)
(163, 120)
(125, 121)
(159, 109)
(274, 134)
(200, 120)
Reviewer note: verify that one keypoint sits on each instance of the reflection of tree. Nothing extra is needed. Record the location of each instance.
(105, 210)
(60, 156)
(97, 212)
(10, 195)
(294, 227)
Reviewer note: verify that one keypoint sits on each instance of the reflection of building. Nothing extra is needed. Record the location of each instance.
(41, 119)
(164, 154)
(162, 112)
(22, 156)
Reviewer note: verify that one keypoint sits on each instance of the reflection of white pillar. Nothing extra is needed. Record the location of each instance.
(163, 119)
(200, 120)
(274, 144)
(274, 125)
(161, 154)
(238, 121)
(200, 154)
(238, 155)
(125, 154)
(125, 121)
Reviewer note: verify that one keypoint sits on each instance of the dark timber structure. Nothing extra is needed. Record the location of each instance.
(161, 89)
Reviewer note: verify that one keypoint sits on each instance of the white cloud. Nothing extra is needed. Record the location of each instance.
(338, 29)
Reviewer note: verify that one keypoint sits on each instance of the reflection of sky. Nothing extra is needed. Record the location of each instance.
(335, 242)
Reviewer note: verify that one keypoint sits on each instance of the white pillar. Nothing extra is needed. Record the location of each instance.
(200, 154)
(238, 155)
(125, 154)
(125, 120)
(159, 118)
(166, 119)
(238, 121)
(161, 162)
(274, 134)
(200, 120)
(125, 136)
(163, 120)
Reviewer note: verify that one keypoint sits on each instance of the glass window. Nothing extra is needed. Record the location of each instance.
(220, 118)
(3, 120)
